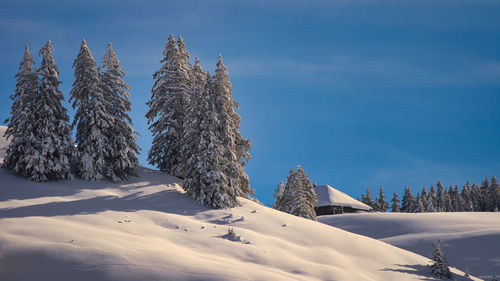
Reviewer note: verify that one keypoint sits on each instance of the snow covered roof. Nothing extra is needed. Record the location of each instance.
(329, 196)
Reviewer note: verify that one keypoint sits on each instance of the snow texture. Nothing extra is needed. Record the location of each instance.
(469, 239)
(146, 229)
(329, 196)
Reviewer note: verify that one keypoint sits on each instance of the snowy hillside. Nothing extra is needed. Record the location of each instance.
(145, 229)
(469, 239)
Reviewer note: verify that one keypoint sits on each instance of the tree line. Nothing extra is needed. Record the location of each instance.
(192, 116)
(471, 198)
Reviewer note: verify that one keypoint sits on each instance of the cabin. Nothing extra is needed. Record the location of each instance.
(332, 201)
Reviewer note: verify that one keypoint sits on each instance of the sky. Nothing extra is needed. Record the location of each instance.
(360, 93)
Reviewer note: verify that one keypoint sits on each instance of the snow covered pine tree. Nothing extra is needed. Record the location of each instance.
(278, 195)
(367, 199)
(207, 182)
(47, 144)
(191, 138)
(237, 147)
(214, 173)
(395, 203)
(92, 119)
(167, 108)
(380, 203)
(298, 196)
(121, 135)
(20, 123)
(440, 266)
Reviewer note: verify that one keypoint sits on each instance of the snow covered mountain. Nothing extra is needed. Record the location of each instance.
(468, 239)
(146, 229)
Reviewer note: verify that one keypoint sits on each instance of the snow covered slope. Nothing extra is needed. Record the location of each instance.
(468, 239)
(146, 229)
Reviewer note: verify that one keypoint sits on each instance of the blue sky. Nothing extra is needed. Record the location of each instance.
(361, 93)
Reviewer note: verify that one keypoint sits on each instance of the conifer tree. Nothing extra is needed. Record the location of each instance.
(190, 139)
(408, 201)
(183, 52)
(440, 200)
(447, 207)
(121, 135)
(467, 198)
(476, 197)
(278, 194)
(427, 201)
(484, 188)
(381, 204)
(458, 202)
(20, 123)
(428, 206)
(367, 199)
(52, 149)
(493, 198)
(298, 196)
(395, 203)
(237, 146)
(440, 266)
(92, 119)
(208, 182)
(419, 205)
(432, 196)
(424, 193)
(167, 108)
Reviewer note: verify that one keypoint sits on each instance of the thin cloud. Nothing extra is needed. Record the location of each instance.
(391, 72)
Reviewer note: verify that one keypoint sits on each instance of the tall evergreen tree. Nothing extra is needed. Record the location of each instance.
(447, 207)
(53, 147)
(458, 202)
(191, 137)
(440, 204)
(298, 196)
(20, 124)
(467, 198)
(476, 197)
(237, 146)
(428, 206)
(419, 205)
(408, 202)
(427, 201)
(208, 182)
(381, 204)
(121, 135)
(183, 52)
(440, 266)
(484, 188)
(395, 203)
(432, 196)
(92, 119)
(167, 108)
(493, 198)
(278, 194)
(367, 198)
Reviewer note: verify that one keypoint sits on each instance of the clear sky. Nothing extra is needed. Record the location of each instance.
(361, 93)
